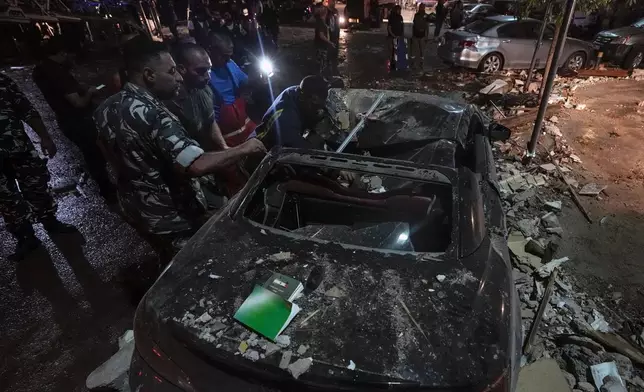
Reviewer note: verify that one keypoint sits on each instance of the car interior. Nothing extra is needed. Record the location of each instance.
(384, 213)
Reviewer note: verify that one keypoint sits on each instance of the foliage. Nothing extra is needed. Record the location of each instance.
(531, 6)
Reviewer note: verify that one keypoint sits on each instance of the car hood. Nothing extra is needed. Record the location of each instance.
(622, 32)
(430, 320)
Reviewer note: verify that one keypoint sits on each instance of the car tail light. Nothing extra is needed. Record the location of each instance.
(467, 44)
(501, 384)
(622, 40)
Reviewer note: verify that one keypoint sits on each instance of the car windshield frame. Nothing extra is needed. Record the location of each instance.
(488, 24)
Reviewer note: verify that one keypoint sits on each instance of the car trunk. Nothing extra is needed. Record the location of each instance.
(403, 317)
(454, 39)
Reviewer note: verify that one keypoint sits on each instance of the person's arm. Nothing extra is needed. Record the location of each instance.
(216, 137)
(188, 157)
(209, 162)
(325, 39)
(81, 101)
(27, 113)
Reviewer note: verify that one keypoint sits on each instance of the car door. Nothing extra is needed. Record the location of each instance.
(546, 43)
(516, 43)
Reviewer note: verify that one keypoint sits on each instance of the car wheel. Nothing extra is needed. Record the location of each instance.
(491, 63)
(576, 61)
(634, 58)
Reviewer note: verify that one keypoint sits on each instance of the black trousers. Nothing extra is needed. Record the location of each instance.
(82, 132)
(33, 200)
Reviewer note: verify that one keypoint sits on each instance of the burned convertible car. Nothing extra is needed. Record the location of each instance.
(406, 273)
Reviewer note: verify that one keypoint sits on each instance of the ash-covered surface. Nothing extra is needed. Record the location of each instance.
(366, 309)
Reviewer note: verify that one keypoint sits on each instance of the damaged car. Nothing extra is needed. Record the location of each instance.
(407, 282)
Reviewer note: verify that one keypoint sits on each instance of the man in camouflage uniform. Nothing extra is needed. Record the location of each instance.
(156, 162)
(19, 162)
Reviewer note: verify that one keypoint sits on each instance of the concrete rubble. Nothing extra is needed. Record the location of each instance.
(576, 331)
(113, 374)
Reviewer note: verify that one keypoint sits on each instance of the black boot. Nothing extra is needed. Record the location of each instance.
(27, 243)
(54, 226)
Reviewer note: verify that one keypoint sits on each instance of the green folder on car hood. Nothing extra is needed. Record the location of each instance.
(266, 312)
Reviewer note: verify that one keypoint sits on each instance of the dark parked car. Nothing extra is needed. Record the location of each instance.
(478, 11)
(500, 42)
(624, 46)
(424, 295)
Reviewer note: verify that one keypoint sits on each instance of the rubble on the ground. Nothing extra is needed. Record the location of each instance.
(576, 330)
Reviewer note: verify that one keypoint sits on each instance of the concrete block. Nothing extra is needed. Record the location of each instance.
(542, 376)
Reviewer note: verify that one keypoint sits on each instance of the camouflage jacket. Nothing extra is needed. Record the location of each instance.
(14, 108)
(151, 149)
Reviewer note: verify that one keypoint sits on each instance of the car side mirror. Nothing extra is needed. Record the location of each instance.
(498, 132)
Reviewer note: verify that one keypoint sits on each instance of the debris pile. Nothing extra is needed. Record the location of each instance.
(559, 322)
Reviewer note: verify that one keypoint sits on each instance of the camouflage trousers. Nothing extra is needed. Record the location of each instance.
(25, 195)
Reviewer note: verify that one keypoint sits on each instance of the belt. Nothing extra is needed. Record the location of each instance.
(237, 131)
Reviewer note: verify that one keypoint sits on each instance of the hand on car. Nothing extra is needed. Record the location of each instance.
(254, 146)
(348, 176)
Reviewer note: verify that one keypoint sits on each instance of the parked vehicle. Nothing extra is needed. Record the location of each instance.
(475, 12)
(624, 45)
(501, 42)
(354, 13)
(430, 239)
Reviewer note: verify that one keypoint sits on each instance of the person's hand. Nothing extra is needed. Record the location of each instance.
(92, 90)
(48, 147)
(348, 176)
(254, 146)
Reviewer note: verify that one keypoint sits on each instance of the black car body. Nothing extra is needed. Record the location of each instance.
(623, 46)
(429, 302)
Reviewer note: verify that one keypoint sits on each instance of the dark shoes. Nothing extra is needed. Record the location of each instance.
(26, 245)
(54, 226)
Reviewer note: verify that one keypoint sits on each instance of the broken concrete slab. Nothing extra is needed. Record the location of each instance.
(553, 205)
(286, 359)
(335, 292)
(546, 270)
(550, 220)
(126, 338)
(112, 375)
(271, 348)
(534, 247)
(517, 244)
(553, 130)
(529, 227)
(548, 167)
(300, 367)
(498, 86)
(543, 375)
(283, 340)
(592, 189)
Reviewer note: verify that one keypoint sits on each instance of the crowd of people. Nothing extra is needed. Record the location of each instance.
(420, 29)
(174, 132)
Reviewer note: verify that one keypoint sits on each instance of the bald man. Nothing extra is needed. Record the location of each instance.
(194, 103)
